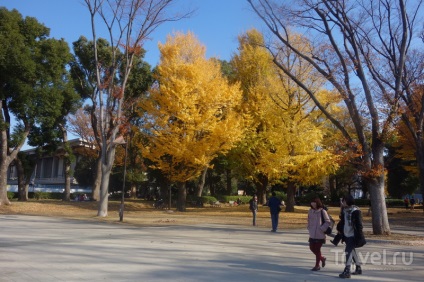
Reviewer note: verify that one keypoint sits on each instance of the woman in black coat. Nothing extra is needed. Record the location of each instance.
(353, 235)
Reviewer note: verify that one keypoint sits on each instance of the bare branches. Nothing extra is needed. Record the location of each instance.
(128, 23)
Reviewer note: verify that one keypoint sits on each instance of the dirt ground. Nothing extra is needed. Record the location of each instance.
(142, 213)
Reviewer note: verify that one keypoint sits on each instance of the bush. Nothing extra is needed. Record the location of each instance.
(208, 199)
(244, 199)
(394, 203)
(41, 195)
(11, 195)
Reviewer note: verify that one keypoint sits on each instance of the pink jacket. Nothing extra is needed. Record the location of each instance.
(315, 226)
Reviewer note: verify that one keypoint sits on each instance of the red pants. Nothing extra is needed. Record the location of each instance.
(316, 249)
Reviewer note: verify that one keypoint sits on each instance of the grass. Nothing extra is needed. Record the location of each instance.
(142, 213)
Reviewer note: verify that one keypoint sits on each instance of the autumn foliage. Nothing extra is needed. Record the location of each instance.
(191, 113)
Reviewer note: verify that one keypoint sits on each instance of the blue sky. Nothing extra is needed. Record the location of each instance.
(216, 23)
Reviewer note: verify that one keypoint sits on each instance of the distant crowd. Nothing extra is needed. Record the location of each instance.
(411, 202)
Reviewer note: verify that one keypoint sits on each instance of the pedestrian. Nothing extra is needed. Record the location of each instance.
(318, 222)
(253, 206)
(412, 202)
(406, 201)
(353, 235)
(274, 208)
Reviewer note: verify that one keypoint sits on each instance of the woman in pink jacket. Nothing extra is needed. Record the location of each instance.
(318, 222)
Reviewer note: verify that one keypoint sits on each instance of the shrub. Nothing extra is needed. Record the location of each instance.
(394, 203)
(11, 195)
(56, 196)
(244, 199)
(208, 199)
(41, 195)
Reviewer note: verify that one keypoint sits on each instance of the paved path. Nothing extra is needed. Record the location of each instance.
(34, 248)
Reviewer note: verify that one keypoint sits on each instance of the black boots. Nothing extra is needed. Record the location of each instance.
(358, 270)
(345, 273)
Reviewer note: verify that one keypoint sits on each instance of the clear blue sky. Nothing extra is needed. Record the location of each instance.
(216, 23)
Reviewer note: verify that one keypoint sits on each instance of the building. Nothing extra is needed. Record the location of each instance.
(49, 171)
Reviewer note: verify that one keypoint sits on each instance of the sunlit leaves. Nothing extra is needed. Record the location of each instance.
(191, 114)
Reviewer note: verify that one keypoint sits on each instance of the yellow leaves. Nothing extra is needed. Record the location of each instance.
(282, 140)
(191, 115)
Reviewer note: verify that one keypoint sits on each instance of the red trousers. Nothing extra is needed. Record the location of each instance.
(316, 249)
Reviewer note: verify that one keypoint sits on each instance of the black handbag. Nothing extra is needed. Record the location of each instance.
(329, 230)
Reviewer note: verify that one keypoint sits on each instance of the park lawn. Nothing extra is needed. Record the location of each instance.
(141, 213)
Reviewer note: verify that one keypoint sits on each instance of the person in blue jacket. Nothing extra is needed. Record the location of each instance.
(274, 208)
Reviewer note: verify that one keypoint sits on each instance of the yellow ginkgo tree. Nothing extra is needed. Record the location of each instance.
(191, 114)
(284, 140)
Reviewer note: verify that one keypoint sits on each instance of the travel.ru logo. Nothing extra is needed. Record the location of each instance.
(376, 258)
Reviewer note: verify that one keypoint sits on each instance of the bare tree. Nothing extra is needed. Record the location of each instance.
(80, 125)
(359, 47)
(128, 23)
(412, 110)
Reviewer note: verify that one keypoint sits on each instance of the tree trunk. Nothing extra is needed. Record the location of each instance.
(67, 192)
(380, 221)
(182, 194)
(133, 190)
(67, 164)
(164, 189)
(104, 187)
(4, 163)
(228, 178)
(261, 185)
(4, 200)
(104, 193)
(375, 184)
(201, 183)
(22, 183)
(291, 193)
(420, 164)
(95, 194)
(332, 185)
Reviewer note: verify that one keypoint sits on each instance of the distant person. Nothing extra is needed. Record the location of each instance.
(406, 202)
(353, 235)
(316, 228)
(253, 206)
(274, 208)
(239, 201)
(412, 202)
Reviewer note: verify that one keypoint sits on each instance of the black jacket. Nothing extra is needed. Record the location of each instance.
(357, 227)
(253, 205)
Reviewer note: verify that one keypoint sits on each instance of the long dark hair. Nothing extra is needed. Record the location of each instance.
(350, 201)
(318, 201)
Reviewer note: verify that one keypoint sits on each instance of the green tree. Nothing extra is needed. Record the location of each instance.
(32, 69)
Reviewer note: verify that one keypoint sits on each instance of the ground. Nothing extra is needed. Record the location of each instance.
(139, 212)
